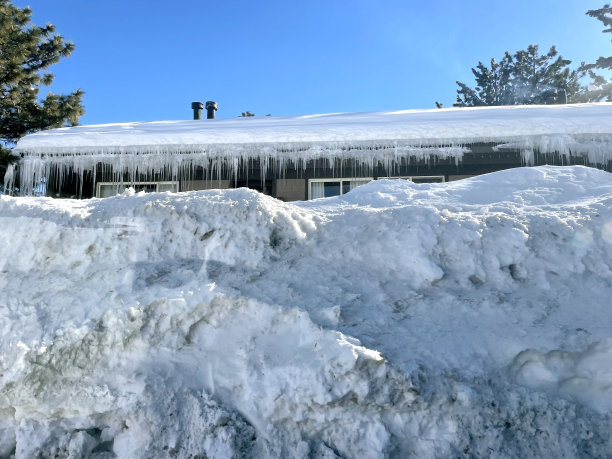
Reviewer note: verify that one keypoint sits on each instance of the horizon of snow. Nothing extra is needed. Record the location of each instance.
(408, 320)
(178, 147)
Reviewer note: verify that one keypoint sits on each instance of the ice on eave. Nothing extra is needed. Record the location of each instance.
(178, 147)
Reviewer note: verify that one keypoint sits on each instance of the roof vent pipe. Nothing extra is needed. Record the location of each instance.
(211, 108)
(555, 96)
(197, 110)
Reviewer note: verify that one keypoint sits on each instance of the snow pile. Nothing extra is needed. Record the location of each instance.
(177, 148)
(400, 319)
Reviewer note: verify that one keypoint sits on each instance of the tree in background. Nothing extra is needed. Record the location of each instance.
(535, 78)
(522, 78)
(600, 88)
(26, 50)
(492, 85)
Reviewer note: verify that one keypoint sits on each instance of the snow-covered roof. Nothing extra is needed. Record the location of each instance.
(173, 148)
(437, 127)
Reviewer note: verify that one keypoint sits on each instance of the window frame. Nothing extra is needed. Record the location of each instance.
(337, 179)
(126, 184)
(410, 177)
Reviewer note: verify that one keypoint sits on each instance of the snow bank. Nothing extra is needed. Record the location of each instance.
(400, 319)
(177, 148)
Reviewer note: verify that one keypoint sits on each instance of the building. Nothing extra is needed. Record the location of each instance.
(305, 157)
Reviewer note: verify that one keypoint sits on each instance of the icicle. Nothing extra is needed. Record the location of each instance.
(9, 179)
(226, 161)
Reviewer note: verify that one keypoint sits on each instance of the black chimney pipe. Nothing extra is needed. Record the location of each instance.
(197, 110)
(211, 108)
(556, 96)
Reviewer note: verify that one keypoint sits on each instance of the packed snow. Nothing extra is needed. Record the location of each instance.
(462, 319)
(177, 148)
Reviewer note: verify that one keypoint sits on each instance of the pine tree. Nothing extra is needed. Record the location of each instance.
(26, 51)
(522, 78)
(492, 85)
(535, 78)
(600, 88)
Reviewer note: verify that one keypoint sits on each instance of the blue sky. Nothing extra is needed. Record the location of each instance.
(148, 60)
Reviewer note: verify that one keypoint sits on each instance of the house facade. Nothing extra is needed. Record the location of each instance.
(313, 156)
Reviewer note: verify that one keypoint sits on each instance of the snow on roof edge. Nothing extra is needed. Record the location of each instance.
(179, 147)
(407, 128)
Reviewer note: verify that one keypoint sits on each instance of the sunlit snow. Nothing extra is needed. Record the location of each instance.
(462, 319)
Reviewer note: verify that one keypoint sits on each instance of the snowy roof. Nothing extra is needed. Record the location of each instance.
(176, 148)
(437, 127)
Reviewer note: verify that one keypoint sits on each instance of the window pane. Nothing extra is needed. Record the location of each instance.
(107, 191)
(167, 187)
(148, 188)
(332, 189)
(428, 179)
(317, 190)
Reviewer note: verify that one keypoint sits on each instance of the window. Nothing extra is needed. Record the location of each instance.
(326, 188)
(419, 178)
(107, 189)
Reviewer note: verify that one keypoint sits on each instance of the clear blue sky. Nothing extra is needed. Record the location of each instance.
(145, 60)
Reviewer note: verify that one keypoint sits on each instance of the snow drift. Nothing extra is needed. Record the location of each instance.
(399, 320)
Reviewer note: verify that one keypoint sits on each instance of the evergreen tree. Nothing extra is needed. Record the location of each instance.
(26, 51)
(535, 78)
(492, 85)
(600, 88)
(522, 78)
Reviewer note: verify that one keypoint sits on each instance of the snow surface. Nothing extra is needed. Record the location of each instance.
(428, 127)
(460, 319)
(178, 147)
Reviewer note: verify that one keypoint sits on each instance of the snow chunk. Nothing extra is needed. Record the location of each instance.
(583, 376)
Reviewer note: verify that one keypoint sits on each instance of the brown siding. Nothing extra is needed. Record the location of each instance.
(195, 185)
(290, 189)
(452, 178)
